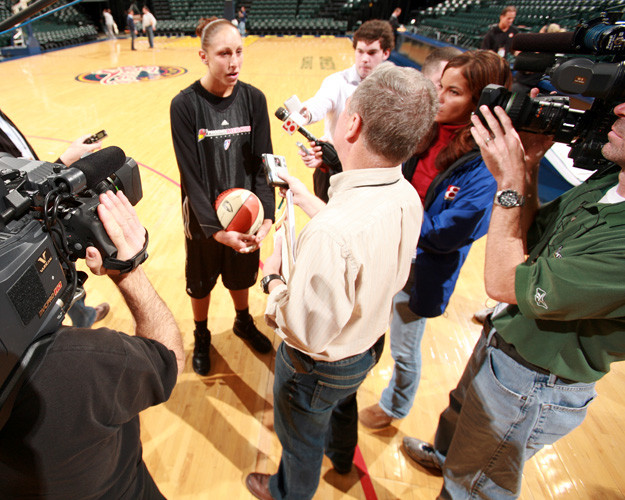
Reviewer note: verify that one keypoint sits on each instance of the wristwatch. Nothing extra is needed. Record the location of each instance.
(509, 198)
(264, 283)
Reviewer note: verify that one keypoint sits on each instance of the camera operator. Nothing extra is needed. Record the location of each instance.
(74, 429)
(560, 325)
(12, 141)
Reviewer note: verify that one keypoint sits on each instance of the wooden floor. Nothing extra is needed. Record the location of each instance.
(214, 430)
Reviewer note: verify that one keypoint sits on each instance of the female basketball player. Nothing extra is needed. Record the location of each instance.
(220, 128)
(457, 192)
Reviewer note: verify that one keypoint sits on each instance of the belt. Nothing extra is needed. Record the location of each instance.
(299, 359)
(498, 342)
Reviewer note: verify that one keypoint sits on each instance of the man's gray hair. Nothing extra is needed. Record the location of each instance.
(397, 107)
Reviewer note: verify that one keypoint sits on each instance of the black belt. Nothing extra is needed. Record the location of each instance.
(303, 363)
(498, 342)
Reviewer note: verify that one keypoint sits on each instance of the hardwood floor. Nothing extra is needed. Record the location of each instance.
(216, 429)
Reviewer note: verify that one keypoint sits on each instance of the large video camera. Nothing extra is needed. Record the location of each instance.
(48, 219)
(585, 131)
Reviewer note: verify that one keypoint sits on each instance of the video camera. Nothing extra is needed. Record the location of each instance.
(585, 131)
(48, 219)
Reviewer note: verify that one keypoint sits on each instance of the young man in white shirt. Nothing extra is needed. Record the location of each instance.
(373, 43)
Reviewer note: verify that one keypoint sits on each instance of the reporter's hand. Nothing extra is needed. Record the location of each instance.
(242, 243)
(77, 149)
(313, 160)
(273, 263)
(303, 198)
(306, 114)
(123, 227)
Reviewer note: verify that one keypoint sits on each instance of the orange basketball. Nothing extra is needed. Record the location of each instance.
(239, 210)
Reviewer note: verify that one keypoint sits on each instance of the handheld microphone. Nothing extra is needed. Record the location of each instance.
(328, 154)
(283, 114)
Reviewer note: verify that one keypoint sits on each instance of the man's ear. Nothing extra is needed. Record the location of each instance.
(386, 54)
(354, 127)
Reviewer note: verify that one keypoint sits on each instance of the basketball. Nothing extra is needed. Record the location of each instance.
(239, 210)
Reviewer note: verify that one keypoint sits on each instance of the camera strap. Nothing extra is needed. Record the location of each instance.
(125, 266)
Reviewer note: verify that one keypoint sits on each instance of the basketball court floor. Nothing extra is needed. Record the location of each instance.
(214, 430)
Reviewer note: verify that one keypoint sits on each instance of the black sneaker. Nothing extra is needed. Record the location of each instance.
(246, 329)
(201, 352)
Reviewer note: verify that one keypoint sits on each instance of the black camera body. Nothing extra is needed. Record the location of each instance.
(48, 218)
(585, 131)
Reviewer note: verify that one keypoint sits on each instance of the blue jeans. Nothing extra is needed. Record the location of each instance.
(500, 414)
(82, 315)
(315, 412)
(407, 331)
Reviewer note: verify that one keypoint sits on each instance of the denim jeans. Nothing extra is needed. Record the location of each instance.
(500, 414)
(82, 315)
(407, 330)
(315, 412)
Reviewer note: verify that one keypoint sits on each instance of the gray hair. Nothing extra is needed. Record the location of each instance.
(397, 107)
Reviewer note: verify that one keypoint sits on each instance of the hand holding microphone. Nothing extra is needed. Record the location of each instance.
(328, 153)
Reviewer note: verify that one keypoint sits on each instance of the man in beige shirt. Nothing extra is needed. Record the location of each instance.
(352, 258)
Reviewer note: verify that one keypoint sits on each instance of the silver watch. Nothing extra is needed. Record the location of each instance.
(509, 198)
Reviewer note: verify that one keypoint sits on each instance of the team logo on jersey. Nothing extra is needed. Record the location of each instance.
(451, 192)
(539, 298)
(204, 133)
(130, 74)
(227, 144)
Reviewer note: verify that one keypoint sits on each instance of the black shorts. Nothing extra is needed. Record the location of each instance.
(207, 259)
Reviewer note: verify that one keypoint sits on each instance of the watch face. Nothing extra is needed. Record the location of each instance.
(509, 198)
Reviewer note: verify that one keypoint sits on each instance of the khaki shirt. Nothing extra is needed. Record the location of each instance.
(353, 256)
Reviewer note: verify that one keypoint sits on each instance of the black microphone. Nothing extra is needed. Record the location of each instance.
(101, 164)
(109, 169)
(534, 62)
(547, 42)
(329, 156)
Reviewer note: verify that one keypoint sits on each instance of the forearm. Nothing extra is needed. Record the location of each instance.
(311, 205)
(153, 318)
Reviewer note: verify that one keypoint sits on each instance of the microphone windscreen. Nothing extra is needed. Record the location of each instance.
(101, 164)
(544, 42)
(282, 113)
(534, 62)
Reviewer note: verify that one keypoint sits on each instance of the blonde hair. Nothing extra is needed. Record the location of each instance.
(208, 27)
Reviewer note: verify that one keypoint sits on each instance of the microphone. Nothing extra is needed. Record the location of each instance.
(109, 168)
(547, 42)
(101, 164)
(534, 62)
(283, 115)
(328, 154)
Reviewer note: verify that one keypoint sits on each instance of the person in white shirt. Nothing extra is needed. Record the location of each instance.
(149, 25)
(373, 43)
(109, 24)
(352, 258)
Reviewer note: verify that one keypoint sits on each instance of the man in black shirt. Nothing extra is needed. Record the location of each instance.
(499, 36)
(73, 431)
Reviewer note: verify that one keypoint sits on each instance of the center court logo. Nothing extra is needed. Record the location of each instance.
(130, 74)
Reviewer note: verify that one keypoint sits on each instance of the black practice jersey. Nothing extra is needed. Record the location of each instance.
(218, 143)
